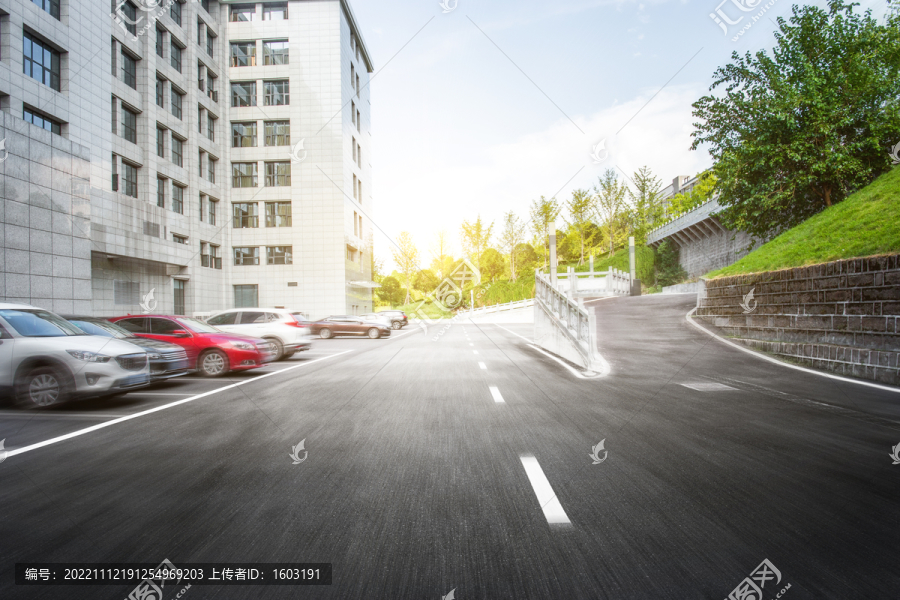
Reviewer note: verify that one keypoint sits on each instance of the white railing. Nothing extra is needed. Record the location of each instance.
(501, 307)
(611, 282)
(568, 316)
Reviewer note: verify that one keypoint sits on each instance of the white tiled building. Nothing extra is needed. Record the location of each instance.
(192, 115)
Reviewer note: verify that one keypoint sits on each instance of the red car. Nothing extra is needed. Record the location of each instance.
(209, 350)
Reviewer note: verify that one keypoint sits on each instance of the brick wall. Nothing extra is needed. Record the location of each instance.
(712, 251)
(842, 316)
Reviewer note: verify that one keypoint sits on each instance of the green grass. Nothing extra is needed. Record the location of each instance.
(865, 224)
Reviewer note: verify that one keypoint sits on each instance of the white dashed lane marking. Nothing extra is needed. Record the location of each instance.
(553, 510)
(496, 394)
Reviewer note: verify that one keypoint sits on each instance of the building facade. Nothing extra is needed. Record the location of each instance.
(228, 148)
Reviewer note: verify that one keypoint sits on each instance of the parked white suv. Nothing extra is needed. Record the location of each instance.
(277, 325)
(45, 360)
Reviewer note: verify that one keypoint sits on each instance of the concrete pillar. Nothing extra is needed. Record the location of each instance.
(631, 256)
(573, 281)
(592, 267)
(553, 254)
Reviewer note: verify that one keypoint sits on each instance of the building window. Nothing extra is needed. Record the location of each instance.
(243, 94)
(177, 151)
(210, 42)
(243, 135)
(126, 292)
(177, 98)
(243, 54)
(213, 206)
(246, 255)
(205, 5)
(353, 112)
(129, 70)
(359, 184)
(175, 12)
(161, 142)
(277, 93)
(246, 296)
(129, 176)
(352, 74)
(275, 12)
(278, 174)
(244, 175)
(43, 122)
(279, 255)
(243, 13)
(178, 289)
(200, 165)
(161, 43)
(245, 215)
(358, 121)
(112, 46)
(178, 199)
(199, 32)
(175, 58)
(51, 7)
(211, 170)
(278, 133)
(354, 188)
(115, 115)
(129, 125)
(41, 61)
(161, 192)
(211, 127)
(278, 214)
(215, 261)
(128, 12)
(115, 174)
(275, 53)
(211, 86)
(160, 92)
(179, 239)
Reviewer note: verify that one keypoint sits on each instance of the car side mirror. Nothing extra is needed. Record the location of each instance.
(181, 333)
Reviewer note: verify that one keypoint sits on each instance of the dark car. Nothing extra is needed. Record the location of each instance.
(166, 360)
(209, 350)
(349, 325)
(398, 318)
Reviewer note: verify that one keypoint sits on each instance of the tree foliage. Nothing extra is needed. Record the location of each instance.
(475, 238)
(492, 265)
(406, 257)
(668, 269)
(390, 291)
(511, 236)
(646, 203)
(543, 212)
(611, 208)
(798, 130)
(426, 281)
(581, 210)
(704, 189)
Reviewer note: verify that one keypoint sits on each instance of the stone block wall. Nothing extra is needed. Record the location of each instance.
(842, 316)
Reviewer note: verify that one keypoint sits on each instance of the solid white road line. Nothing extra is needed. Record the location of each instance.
(513, 332)
(690, 319)
(81, 432)
(475, 351)
(553, 510)
(481, 365)
(604, 371)
(496, 394)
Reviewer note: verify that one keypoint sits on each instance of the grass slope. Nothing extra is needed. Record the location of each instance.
(865, 224)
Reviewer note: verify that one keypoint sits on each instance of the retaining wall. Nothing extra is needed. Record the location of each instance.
(842, 316)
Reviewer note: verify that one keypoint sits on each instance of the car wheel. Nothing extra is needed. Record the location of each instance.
(42, 386)
(325, 333)
(279, 349)
(288, 354)
(396, 325)
(212, 363)
(373, 333)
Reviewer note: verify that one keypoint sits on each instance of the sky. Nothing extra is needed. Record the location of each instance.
(481, 109)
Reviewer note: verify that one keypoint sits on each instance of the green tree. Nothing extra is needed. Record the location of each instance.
(511, 236)
(610, 207)
(702, 191)
(527, 260)
(426, 281)
(543, 212)
(581, 209)
(440, 251)
(798, 131)
(406, 257)
(668, 269)
(492, 264)
(646, 203)
(390, 291)
(475, 238)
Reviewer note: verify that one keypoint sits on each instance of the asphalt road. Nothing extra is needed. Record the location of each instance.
(415, 483)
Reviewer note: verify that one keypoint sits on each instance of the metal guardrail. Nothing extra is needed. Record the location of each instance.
(567, 315)
(501, 307)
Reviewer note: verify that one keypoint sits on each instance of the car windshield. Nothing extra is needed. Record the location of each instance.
(197, 326)
(34, 322)
(101, 329)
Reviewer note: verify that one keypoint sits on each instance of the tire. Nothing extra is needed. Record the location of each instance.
(279, 349)
(42, 387)
(213, 363)
(325, 333)
(374, 333)
(396, 325)
(288, 354)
